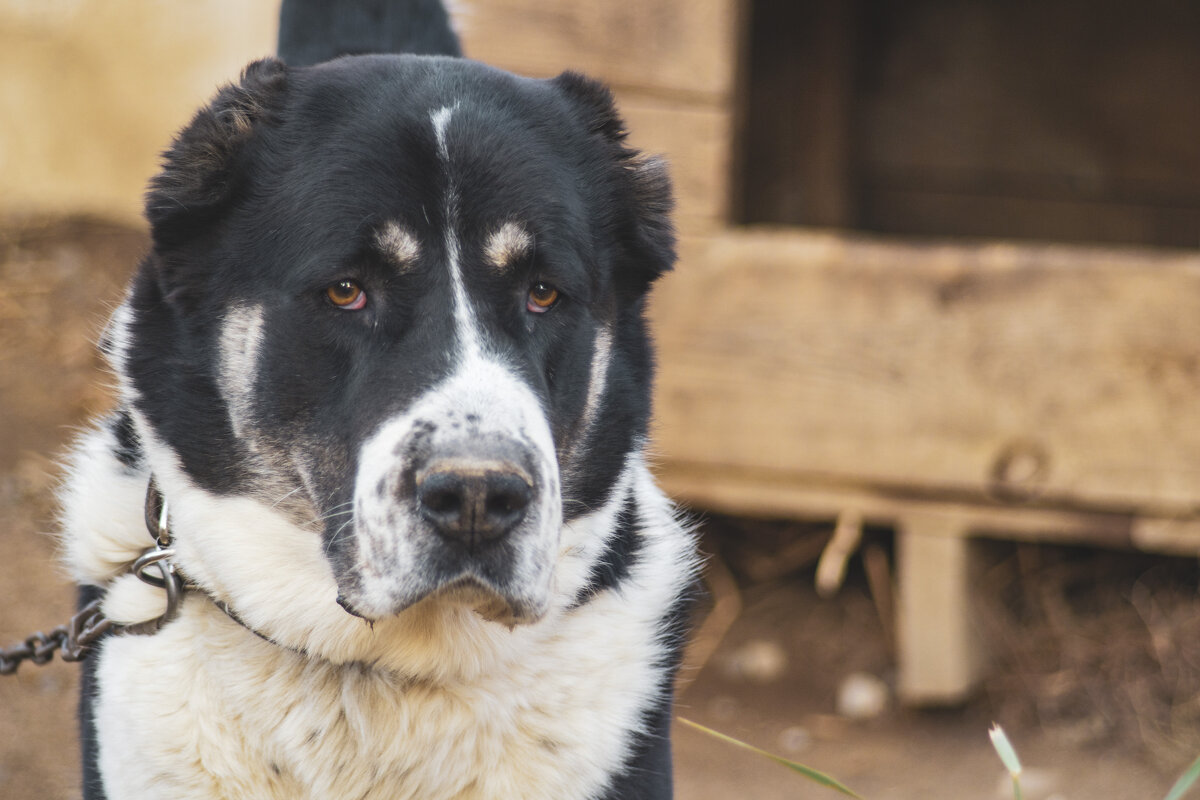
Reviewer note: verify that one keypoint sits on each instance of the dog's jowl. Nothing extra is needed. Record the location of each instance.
(387, 368)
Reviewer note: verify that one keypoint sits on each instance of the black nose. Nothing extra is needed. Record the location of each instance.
(473, 501)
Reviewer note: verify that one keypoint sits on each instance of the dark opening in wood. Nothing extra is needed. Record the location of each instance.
(1066, 120)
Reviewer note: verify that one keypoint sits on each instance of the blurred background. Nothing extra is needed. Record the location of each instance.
(929, 364)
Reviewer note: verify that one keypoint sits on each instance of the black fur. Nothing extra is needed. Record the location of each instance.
(618, 558)
(128, 450)
(93, 785)
(647, 775)
(312, 31)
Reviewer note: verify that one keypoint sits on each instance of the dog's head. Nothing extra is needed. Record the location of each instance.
(402, 297)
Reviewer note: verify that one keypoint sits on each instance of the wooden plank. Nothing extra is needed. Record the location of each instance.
(767, 495)
(963, 212)
(665, 45)
(694, 139)
(991, 371)
(939, 655)
(1180, 537)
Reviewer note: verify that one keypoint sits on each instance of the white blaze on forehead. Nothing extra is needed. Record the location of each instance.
(398, 245)
(441, 119)
(469, 339)
(241, 339)
(464, 314)
(507, 245)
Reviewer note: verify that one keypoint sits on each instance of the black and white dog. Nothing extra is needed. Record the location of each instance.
(386, 363)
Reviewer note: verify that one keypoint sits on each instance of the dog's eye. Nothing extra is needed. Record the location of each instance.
(541, 297)
(346, 294)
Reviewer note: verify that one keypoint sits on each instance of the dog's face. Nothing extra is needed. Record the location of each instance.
(402, 297)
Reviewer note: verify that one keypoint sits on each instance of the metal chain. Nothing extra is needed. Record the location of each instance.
(75, 640)
(72, 641)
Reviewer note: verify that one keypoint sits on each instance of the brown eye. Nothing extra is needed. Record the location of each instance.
(346, 294)
(541, 297)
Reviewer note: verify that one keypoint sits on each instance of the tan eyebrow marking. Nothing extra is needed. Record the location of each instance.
(398, 244)
(508, 244)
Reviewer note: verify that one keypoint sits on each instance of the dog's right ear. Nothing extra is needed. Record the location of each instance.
(199, 174)
(643, 198)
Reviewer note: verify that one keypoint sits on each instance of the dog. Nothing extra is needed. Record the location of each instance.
(385, 375)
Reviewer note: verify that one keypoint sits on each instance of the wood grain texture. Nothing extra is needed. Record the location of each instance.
(779, 495)
(694, 140)
(655, 44)
(985, 373)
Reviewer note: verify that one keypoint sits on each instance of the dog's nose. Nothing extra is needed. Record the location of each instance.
(473, 501)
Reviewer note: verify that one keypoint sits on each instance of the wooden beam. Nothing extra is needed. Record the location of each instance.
(1061, 375)
(939, 656)
(661, 45)
(766, 495)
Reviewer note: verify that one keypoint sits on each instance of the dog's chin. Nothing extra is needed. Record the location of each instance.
(467, 592)
(486, 602)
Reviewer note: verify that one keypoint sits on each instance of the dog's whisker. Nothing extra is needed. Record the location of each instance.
(286, 496)
(567, 501)
(337, 535)
(328, 516)
(339, 508)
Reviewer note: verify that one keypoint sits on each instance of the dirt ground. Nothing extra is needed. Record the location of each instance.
(1095, 670)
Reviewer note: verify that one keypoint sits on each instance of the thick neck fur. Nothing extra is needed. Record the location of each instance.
(436, 702)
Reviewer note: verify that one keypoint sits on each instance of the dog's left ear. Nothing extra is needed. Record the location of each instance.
(642, 198)
(200, 172)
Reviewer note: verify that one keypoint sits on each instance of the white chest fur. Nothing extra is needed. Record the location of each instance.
(205, 709)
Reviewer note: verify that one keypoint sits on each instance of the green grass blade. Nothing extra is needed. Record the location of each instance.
(1008, 755)
(1185, 781)
(1004, 749)
(808, 772)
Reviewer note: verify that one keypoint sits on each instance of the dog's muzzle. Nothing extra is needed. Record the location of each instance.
(459, 498)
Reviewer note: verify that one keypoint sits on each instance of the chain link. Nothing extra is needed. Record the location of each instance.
(72, 641)
(75, 640)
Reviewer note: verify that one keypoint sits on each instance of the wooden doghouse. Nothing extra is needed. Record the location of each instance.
(939, 268)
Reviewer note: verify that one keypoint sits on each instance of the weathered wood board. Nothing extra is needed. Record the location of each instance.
(1034, 375)
(694, 139)
(663, 45)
